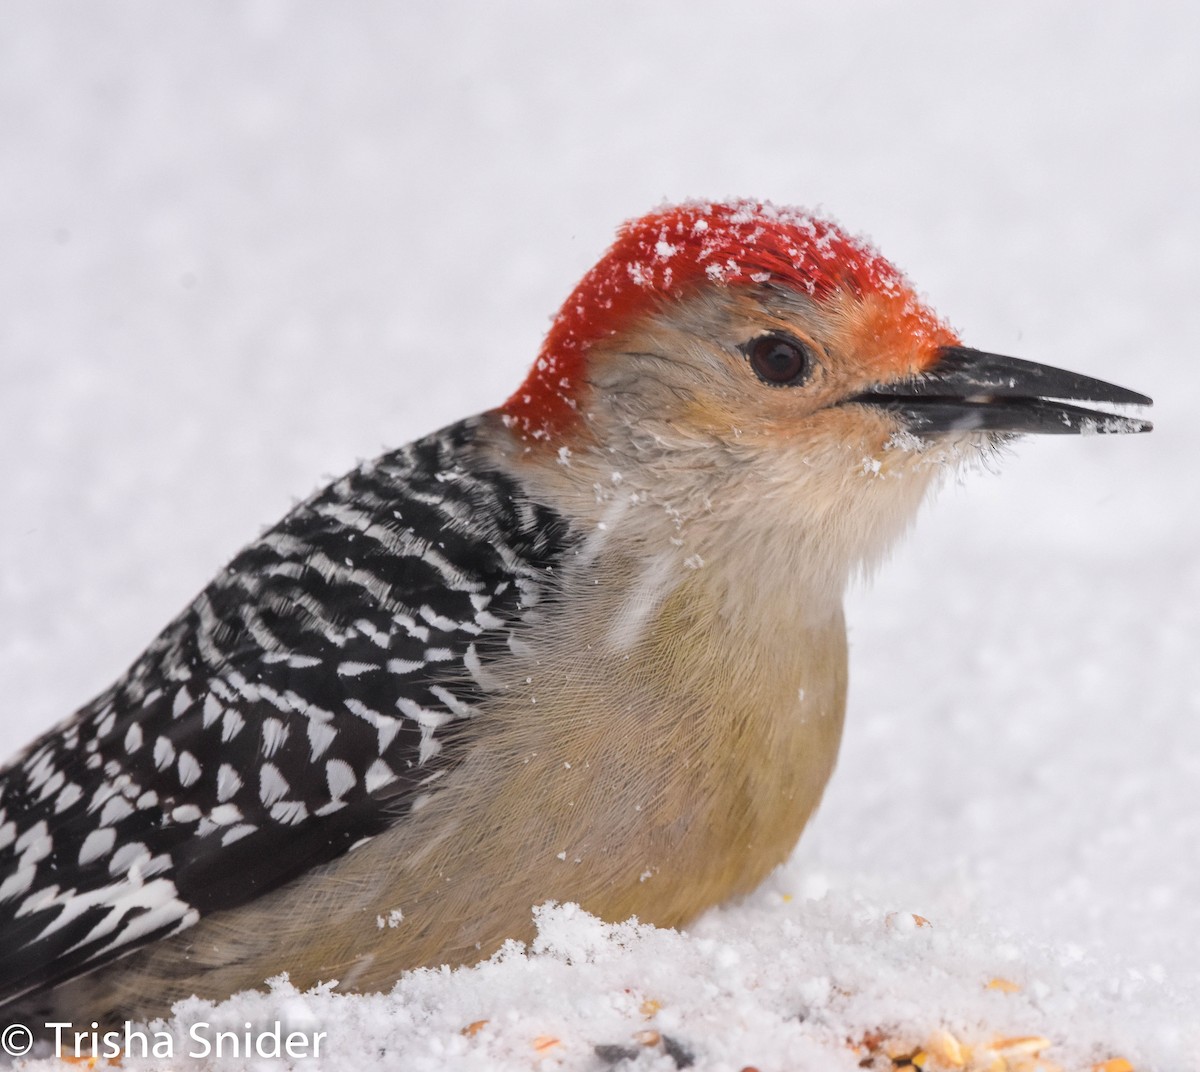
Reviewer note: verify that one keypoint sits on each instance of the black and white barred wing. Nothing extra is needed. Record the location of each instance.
(298, 706)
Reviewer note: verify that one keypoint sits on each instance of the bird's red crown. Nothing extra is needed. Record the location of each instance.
(664, 254)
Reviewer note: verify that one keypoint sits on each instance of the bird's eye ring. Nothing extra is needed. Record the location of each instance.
(779, 360)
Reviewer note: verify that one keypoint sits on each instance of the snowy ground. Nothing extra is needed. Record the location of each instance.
(243, 245)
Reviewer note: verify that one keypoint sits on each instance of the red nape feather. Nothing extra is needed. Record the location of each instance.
(662, 255)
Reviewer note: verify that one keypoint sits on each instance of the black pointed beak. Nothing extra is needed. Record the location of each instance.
(969, 390)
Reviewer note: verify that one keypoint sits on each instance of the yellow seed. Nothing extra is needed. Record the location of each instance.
(919, 1059)
(1113, 1064)
(545, 1042)
(649, 1008)
(946, 1048)
(474, 1027)
(1006, 986)
(647, 1037)
(1031, 1044)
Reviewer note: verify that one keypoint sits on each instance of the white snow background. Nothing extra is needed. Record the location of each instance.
(244, 245)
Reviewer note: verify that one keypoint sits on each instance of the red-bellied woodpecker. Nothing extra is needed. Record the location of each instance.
(587, 646)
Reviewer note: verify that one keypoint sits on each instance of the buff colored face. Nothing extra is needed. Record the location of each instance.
(763, 367)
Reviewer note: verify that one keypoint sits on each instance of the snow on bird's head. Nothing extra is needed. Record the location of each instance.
(663, 255)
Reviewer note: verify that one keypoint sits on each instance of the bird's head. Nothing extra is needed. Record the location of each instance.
(768, 344)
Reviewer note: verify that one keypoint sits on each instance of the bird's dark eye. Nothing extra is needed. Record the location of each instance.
(779, 360)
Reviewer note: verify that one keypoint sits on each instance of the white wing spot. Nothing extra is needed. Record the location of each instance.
(237, 833)
(302, 662)
(438, 621)
(189, 769)
(127, 857)
(320, 737)
(231, 726)
(482, 677)
(52, 785)
(274, 734)
(228, 782)
(289, 812)
(156, 865)
(183, 700)
(98, 843)
(69, 795)
(340, 778)
(115, 809)
(34, 844)
(212, 710)
(272, 785)
(17, 883)
(378, 775)
(225, 814)
(164, 753)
